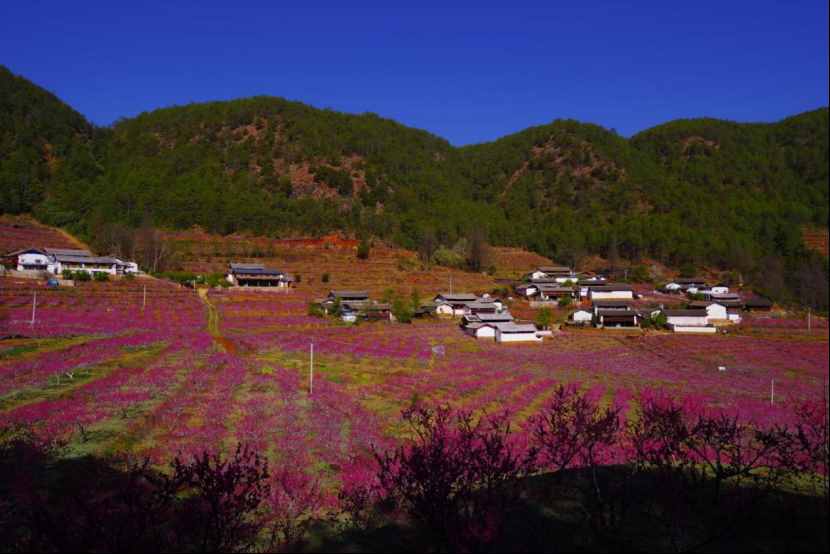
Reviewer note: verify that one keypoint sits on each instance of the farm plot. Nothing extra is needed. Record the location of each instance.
(111, 378)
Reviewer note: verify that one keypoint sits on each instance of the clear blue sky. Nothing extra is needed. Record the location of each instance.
(467, 73)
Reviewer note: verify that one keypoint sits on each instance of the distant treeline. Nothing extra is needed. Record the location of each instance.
(703, 191)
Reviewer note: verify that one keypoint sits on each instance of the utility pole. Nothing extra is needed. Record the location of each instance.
(311, 369)
(772, 392)
(34, 308)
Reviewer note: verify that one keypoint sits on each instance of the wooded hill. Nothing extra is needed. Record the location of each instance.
(699, 191)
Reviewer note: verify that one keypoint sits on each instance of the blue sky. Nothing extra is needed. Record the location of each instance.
(467, 73)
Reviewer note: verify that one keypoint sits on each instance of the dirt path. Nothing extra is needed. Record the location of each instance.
(223, 343)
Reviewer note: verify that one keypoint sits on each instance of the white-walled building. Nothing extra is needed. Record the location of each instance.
(517, 332)
(680, 320)
(611, 292)
(257, 275)
(582, 317)
(58, 260)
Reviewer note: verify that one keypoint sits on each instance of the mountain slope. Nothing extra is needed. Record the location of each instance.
(700, 191)
(37, 132)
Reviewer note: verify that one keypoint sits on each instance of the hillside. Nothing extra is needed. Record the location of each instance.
(37, 133)
(686, 193)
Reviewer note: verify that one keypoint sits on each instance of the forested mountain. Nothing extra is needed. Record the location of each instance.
(686, 192)
(37, 133)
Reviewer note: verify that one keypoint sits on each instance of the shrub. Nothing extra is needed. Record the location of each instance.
(448, 258)
(544, 318)
(100, 276)
(565, 301)
(315, 310)
(82, 276)
(458, 479)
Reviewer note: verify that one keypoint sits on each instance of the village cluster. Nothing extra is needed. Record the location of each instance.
(598, 302)
(592, 300)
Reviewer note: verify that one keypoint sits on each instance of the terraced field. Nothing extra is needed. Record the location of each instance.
(186, 372)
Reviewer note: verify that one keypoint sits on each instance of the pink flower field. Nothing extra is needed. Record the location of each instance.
(186, 373)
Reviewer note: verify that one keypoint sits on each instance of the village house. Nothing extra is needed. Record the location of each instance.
(584, 285)
(454, 304)
(559, 274)
(484, 325)
(688, 321)
(730, 300)
(526, 289)
(517, 332)
(257, 275)
(616, 317)
(555, 292)
(716, 312)
(610, 292)
(581, 317)
(620, 305)
(58, 260)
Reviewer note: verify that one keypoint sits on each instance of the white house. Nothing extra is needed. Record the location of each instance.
(481, 330)
(257, 275)
(582, 317)
(558, 273)
(34, 259)
(611, 292)
(454, 304)
(690, 320)
(517, 332)
(58, 260)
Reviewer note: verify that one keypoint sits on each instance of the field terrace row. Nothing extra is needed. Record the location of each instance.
(624, 365)
(96, 308)
(21, 232)
(159, 384)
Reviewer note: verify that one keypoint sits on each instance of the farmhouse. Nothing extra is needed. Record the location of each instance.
(526, 289)
(256, 275)
(584, 285)
(558, 273)
(481, 330)
(715, 311)
(517, 332)
(484, 325)
(610, 292)
(453, 304)
(620, 305)
(581, 317)
(58, 260)
(688, 321)
(347, 296)
(730, 300)
(616, 318)
(555, 292)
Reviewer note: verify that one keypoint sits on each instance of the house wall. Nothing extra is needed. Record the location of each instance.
(583, 317)
(485, 333)
(611, 295)
(693, 329)
(686, 321)
(517, 337)
(715, 311)
(35, 259)
(109, 269)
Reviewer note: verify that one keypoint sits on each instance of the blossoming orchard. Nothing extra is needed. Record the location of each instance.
(235, 381)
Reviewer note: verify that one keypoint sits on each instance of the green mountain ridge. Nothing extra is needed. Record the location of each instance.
(690, 191)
